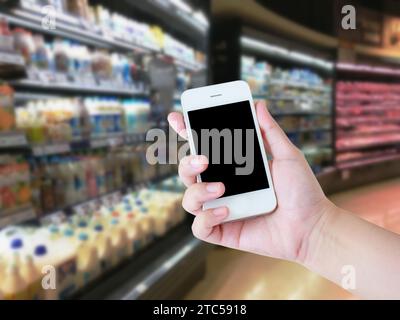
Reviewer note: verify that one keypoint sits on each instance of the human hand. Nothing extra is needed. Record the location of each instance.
(284, 233)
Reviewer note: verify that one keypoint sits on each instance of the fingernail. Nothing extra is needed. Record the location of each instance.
(195, 163)
(219, 212)
(213, 187)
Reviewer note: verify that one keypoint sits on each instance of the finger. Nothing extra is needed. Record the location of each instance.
(205, 225)
(177, 123)
(198, 193)
(277, 141)
(190, 167)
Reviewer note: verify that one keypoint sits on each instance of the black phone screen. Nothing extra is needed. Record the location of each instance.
(226, 135)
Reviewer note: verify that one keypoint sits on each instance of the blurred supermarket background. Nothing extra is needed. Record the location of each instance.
(83, 81)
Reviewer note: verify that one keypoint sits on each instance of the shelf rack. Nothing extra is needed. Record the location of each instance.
(366, 112)
(26, 84)
(164, 270)
(76, 29)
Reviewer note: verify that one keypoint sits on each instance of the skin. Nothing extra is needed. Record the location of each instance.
(306, 227)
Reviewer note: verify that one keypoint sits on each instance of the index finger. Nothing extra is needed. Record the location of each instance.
(177, 123)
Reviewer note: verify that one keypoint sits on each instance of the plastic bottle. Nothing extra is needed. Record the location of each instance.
(67, 175)
(104, 248)
(134, 233)
(13, 286)
(100, 172)
(46, 191)
(32, 278)
(119, 241)
(89, 166)
(88, 262)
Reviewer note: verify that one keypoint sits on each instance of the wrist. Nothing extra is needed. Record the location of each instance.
(314, 238)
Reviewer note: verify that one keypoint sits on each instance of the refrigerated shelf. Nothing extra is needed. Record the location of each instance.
(77, 88)
(19, 216)
(363, 162)
(369, 146)
(79, 31)
(165, 269)
(300, 113)
(300, 85)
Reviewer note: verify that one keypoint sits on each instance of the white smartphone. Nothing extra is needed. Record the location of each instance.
(222, 125)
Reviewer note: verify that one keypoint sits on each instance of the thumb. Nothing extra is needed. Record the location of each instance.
(279, 144)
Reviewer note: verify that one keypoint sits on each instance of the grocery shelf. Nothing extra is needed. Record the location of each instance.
(18, 140)
(8, 58)
(77, 88)
(12, 66)
(366, 133)
(366, 99)
(292, 98)
(9, 140)
(165, 269)
(109, 198)
(17, 217)
(27, 96)
(300, 85)
(300, 113)
(305, 130)
(33, 20)
(369, 146)
(112, 140)
(315, 148)
(269, 49)
(79, 30)
(360, 120)
(369, 161)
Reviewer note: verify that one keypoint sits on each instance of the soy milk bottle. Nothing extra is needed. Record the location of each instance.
(32, 278)
(13, 286)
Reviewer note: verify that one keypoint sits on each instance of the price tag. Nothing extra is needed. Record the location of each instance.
(82, 209)
(99, 143)
(57, 217)
(54, 149)
(37, 151)
(117, 141)
(107, 34)
(107, 201)
(117, 196)
(9, 58)
(16, 139)
(61, 78)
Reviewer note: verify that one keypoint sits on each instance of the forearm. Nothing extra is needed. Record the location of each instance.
(343, 245)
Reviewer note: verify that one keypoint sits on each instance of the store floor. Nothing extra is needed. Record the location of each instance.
(233, 274)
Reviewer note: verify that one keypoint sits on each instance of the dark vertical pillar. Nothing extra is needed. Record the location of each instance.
(225, 50)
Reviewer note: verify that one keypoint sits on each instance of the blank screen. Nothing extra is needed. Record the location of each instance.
(240, 174)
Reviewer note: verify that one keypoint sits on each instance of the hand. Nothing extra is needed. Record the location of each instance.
(284, 233)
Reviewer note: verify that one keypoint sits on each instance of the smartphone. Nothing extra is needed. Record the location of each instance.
(222, 125)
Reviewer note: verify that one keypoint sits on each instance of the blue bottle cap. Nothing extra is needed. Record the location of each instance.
(16, 243)
(83, 236)
(40, 250)
(54, 229)
(143, 210)
(114, 221)
(98, 228)
(82, 224)
(68, 232)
